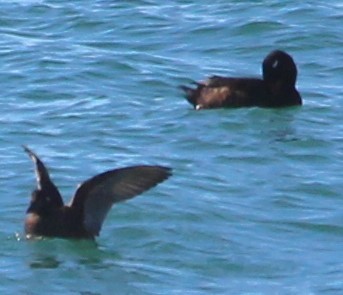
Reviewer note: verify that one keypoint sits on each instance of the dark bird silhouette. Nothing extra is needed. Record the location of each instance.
(276, 89)
(83, 217)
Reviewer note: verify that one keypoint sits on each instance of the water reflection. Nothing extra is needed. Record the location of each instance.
(50, 253)
(70, 261)
(45, 262)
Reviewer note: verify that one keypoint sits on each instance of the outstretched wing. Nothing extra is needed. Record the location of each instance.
(95, 197)
(44, 182)
(42, 174)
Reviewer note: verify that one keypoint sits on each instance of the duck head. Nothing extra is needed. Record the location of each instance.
(279, 67)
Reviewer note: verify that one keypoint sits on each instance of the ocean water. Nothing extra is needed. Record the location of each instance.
(255, 202)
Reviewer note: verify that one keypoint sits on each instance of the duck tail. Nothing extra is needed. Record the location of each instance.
(190, 94)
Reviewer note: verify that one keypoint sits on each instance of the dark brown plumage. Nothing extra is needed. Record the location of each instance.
(83, 217)
(276, 89)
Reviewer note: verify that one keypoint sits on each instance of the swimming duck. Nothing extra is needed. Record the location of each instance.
(276, 89)
(83, 217)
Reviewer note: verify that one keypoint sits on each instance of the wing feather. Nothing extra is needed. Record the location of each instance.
(95, 197)
(44, 183)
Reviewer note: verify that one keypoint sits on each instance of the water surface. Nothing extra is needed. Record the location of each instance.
(254, 206)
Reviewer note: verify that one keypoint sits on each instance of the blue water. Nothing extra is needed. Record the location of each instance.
(255, 202)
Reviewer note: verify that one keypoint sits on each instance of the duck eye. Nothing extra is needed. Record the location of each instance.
(275, 64)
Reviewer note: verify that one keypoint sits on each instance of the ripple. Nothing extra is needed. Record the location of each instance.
(253, 205)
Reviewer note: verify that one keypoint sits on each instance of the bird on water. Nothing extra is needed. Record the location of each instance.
(83, 217)
(275, 89)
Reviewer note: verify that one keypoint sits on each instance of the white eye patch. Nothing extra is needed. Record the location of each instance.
(275, 64)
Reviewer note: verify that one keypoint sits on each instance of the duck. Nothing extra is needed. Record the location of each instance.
(276, 89)
(83, 217)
